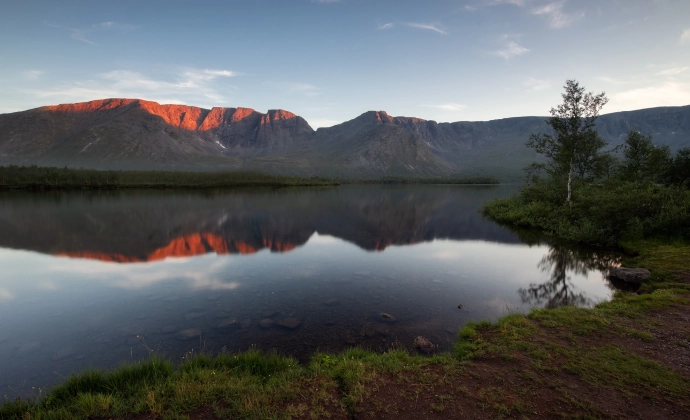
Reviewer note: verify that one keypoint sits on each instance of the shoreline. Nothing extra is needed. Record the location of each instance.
(596, 362)
(52, 178)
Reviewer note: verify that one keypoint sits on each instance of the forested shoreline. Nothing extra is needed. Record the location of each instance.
(582, 192)
(52, 178)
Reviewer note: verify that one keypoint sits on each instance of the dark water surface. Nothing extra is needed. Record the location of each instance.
(95, 279)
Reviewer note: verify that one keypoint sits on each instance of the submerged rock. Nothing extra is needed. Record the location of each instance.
(64, 353)
(229, 323)
(630, 275)
(289, 323)
(266, 323)
(194, 315)
(386, 317)
(189, 334)
(29, 348)
(423, 343)
(268, 314)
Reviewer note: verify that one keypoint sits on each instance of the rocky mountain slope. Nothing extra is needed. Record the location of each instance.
(139, 134)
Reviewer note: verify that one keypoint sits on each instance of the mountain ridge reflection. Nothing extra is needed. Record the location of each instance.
(126, 227)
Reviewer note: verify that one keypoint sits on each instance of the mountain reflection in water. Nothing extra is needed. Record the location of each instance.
(136, 227)
(91, 279)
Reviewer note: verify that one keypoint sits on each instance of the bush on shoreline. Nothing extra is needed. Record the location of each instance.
(601, 214)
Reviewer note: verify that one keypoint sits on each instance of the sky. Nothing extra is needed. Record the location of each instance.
(332, 60)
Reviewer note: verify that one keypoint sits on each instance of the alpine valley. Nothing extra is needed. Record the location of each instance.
(139, 134)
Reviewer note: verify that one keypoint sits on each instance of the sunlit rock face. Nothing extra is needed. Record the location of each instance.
(133, 133)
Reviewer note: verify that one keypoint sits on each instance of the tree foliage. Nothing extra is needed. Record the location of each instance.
(643, 161)
(573, 149)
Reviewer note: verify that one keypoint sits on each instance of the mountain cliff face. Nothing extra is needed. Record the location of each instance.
(138, 134)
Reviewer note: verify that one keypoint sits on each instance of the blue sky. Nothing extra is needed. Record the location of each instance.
(331, 60)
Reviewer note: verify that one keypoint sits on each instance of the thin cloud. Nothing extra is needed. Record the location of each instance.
(685, 37)
(510, 50)
(537, 84)
(304, 89)
(672, 72)
(289, 88)
(555, 16)
(83, 34)
(385, 26)
(519, 3)
(32, 74)
(427, 26)
(611, 80)
(448, 107)
(669, 93)
(189, 86)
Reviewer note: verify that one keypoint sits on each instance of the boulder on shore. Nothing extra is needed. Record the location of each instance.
(424, 344)
(630, 275)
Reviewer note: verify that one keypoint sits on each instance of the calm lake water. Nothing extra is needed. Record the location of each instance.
(94, 279)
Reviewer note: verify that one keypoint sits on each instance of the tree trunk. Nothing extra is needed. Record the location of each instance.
(570, 186)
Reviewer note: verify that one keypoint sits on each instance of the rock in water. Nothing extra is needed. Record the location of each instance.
(229, 323)
(289, 323)
(386, 317)
(266, 323)
(630, 275)
(29, 348)
(193, 315)
(423, 343)
(189, 334)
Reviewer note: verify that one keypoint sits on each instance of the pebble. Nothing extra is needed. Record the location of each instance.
(189, 334)
(331, 302)
(386, 317)
(194, 315)
(266, 323)
(229, 323)
(168, 329)
(64, 353)
(29, 348)
(289, 323)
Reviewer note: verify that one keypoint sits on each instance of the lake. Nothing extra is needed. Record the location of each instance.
(94, 279)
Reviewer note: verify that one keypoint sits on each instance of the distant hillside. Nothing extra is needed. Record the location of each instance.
(138, 134)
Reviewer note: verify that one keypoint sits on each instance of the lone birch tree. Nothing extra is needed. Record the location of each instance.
(573, 148)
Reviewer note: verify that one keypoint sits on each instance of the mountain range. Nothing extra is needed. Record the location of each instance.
(140, 134)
